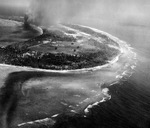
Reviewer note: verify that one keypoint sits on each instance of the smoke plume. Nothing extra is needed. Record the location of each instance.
(49, 12)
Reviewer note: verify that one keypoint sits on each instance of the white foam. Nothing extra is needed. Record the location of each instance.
(36, 121)
(77, 95)
(83, 70)
(46, 42)
(112, 46)
(55, 115)
(133, 67)
(65, 104)
(105, 90)
(86, 100)
(119, 76)
(105, 98)
(73, 111)
(86, 110)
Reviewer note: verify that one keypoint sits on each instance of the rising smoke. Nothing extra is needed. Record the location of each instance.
(49, 12)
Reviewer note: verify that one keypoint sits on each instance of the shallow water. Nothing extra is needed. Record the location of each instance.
(47, 94)
(130, 98)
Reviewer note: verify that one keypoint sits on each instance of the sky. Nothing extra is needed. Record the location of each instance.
(107, 15)
(129, 11)
(15, 3)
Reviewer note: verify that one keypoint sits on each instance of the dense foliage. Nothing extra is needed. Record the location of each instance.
(21, 53)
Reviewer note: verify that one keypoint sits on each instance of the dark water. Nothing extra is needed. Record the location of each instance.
(129, 106)
(130, 99)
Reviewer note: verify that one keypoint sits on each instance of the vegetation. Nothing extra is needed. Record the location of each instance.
(22, 54)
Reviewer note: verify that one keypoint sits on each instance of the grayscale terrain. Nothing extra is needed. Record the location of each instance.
(60, 67)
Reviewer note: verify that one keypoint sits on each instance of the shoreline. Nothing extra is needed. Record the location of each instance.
(121, 44)
(102, 94)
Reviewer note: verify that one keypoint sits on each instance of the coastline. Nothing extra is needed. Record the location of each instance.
(102, 92)
(123, 45)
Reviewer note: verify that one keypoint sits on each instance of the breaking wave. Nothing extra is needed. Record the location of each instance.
(101, 77)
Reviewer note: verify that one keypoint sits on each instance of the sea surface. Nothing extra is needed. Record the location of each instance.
(114, 96)
(130, 98)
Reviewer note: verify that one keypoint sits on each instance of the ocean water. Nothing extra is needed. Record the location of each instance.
(124, 103)
(130, 98)
(115, 96)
